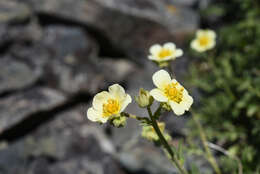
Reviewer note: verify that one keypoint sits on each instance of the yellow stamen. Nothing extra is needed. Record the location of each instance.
(111, 107)
(204, 40)
(164, 53)
(173, 93)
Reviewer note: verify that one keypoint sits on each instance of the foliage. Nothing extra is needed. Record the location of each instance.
(228, 79)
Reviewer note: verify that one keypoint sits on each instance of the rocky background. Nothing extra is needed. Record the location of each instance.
(55, 55)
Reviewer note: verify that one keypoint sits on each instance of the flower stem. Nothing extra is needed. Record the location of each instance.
(144, 119)
(203, 138)
(165, 143)
(171, 70)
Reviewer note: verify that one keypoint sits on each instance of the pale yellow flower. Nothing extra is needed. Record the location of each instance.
(106, 105)
(171, 92)
(205, 40)
(166, 52)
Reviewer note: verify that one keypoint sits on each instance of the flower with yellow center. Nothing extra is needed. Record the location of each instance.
(171, 92)
(106, 105)
(205, 40)
(164, 53)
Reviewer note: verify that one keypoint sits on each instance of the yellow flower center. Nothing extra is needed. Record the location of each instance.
(111, 107)
(164, 53)
(172, 93)
(204, 40)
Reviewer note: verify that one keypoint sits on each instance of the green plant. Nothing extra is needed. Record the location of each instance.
(228, 79)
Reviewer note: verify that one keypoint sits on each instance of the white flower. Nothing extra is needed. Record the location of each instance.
(108, 104)
(171, 92)
(166, 52)
(205, 40)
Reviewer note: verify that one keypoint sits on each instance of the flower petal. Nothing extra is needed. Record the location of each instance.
(200, 33)
(177, 108)
(125, 102)
(170, 46)
(196, 46)
(158, 95)
(100, 99)
(161, 78)
(117, 92)
(187, 101)
(178, 53)
(211, 34)
(154, 49)
(151, 57)
(93, 115)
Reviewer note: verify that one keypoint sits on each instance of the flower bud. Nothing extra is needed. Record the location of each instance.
(119, 121)
(144, 99)
(166, 106)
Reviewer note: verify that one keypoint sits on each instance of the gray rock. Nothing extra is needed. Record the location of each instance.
(14, 109)
(16, 74)
(181, 2)
(52, 139)
(146, 22)
(80, 165)
(3, 33)
(77, 166)
(75, 66)
(71, 68)
(36, 55)
(115, 70)
(12, 11)
(64, 40)
(144, 157)
(29, 33)
(74, 144)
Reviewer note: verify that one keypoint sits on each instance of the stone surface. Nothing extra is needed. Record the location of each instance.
(146, 22)
(16, 74)
(58, 141)
(75, 66)
(70, 67)
(144, 157)
(12, 11)
(16, 108)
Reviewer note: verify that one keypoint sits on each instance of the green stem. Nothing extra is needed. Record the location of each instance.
(157, 113)
(171, 70)
(136, 117)
(203, 138)
(165, 143)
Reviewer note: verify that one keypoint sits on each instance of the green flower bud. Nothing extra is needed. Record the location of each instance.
(119, 121)
(166, 106)
(144, 99)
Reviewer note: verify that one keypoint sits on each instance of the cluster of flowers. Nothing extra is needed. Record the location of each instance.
(109, 105)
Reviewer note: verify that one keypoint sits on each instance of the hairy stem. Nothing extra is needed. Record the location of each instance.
(165, 143)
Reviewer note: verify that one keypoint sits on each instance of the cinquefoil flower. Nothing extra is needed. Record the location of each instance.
(163, 53)
(107, 105)
(171, 92)
(205, 40)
